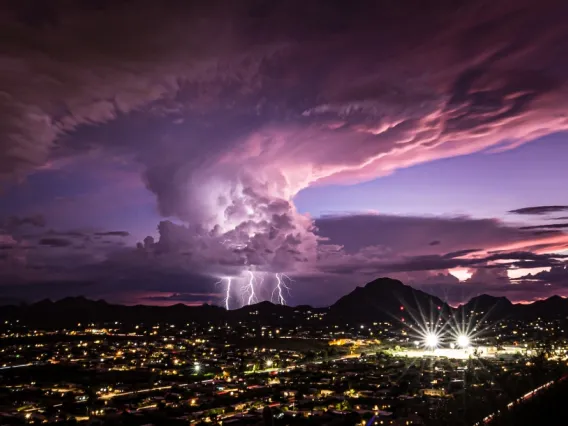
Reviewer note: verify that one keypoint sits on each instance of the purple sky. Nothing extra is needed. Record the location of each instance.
(187, 145)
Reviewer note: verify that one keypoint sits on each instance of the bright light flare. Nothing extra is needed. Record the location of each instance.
(431, 340)
(463, 341)
(269, 363)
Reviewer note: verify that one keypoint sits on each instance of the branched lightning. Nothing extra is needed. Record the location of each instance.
(249, 289)
(280, 285)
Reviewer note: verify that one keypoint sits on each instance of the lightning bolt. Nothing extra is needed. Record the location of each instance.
(228, 292)
(227, 298)
(249, 290)
(280, 285)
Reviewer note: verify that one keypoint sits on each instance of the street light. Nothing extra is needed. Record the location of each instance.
(431, 340)
(463, 341)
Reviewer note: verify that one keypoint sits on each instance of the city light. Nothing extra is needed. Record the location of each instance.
(269, 363)
(197, 367)
(431, 340)
(463, 341)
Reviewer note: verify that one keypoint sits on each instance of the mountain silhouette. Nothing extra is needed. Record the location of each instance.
(487, 307)
(387, 299)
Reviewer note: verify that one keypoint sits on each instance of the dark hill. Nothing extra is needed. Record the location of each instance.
(487, 307)
(552, 308)
(386, 299)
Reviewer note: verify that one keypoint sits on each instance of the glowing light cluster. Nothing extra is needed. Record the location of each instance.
(432, 340)
(430, 330)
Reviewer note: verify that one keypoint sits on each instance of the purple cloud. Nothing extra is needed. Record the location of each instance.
(228, 112)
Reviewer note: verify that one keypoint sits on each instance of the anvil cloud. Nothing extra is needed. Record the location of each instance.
(225, 111)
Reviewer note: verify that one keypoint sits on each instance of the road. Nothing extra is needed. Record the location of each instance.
(112, 395)
(292, 367)
(9, 367)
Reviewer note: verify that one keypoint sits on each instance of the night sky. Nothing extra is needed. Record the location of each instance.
(151, 150)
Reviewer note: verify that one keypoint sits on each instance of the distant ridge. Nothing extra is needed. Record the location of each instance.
(380, 299)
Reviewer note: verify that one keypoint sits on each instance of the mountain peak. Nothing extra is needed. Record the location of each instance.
(385, 282)
(556, 297)
(487, 298)
(384, 298)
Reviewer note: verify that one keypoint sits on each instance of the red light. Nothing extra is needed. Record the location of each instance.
(439, 308)
(402, 308)
(402, 319)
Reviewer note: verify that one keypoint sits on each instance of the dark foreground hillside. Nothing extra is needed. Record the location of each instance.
(548, 408)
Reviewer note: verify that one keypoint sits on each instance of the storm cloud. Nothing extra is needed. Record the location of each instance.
(228, 109)
(539, 210)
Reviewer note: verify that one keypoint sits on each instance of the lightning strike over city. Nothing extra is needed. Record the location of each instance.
(252, 288)
(249, 289)
(278, 290)
(228, 292)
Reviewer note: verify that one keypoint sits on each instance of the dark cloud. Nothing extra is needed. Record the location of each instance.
(434, 243)
(461, 253)
(72, 234)
(539, 210)
(525, 255)
(547, 232)
(548, 226)
(55, 242)
(14, 222)
(557, 275)
(112, 234)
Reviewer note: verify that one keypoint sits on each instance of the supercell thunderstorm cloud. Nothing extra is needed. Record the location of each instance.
(249, 229)
(215, 119)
